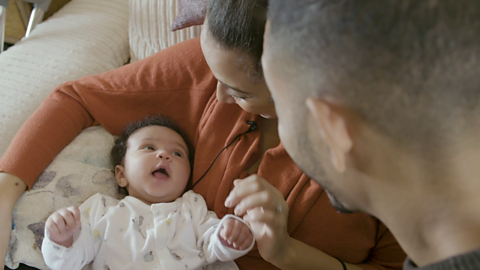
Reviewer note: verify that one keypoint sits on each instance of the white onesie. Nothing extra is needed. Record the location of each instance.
(130, 234)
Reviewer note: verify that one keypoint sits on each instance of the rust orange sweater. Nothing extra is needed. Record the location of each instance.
(177, 82)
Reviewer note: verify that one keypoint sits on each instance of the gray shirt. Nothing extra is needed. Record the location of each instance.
(468, 261)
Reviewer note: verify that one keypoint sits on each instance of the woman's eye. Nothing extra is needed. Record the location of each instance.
(237, 97)
(178, 154)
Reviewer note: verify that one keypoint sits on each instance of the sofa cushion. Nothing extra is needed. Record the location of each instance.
(85, 37)
(149, 27)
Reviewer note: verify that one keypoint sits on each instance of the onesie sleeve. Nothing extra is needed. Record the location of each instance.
(175, 82)
(208, 226)
(84, 247)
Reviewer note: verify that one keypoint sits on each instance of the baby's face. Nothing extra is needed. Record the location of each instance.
(156, 168)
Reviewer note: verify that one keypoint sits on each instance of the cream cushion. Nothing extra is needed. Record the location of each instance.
(85, 37)
(149, 27)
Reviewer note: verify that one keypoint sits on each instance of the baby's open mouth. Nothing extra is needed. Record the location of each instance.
(161, 171)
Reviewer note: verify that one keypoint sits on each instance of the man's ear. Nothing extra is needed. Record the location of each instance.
(120, 176)
(332, 127)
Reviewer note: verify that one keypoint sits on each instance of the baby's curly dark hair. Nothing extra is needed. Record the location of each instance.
(119, 149)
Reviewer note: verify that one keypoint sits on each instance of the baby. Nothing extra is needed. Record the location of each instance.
(158, 225)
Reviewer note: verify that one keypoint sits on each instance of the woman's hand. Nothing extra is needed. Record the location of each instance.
(265, 209)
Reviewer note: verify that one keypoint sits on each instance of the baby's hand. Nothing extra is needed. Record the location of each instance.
(235, 234)
(62, 224)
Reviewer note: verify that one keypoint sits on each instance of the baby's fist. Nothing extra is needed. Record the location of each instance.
(235, 234)
(62, 224)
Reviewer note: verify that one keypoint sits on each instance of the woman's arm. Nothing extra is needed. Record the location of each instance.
(175, 82)
(11, 188)
(300, 256)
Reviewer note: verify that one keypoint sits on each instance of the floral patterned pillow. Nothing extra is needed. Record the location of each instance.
(81, 170)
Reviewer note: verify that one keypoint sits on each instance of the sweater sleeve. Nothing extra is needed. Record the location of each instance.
(83, 249)
(387, 253)
(176, 82)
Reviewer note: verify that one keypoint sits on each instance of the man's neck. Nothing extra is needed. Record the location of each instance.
(436, 214)
(428, 240)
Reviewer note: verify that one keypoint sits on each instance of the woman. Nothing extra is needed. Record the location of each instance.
(219, 100)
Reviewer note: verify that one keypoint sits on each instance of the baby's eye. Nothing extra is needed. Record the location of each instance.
(149, 147)
(178, 154)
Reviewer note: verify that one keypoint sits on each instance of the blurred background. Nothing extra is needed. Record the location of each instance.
(17, 16)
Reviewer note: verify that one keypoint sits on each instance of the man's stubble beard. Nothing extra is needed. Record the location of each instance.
(313, 165)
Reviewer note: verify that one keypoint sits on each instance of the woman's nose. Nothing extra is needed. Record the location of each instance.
(222, 94)
(164, 155)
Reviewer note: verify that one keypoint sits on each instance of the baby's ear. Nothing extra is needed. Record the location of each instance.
(120, 176)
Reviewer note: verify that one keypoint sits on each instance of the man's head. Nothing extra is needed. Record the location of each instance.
(153, 160)
(344, 73)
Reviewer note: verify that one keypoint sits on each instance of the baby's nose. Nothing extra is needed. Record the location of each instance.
(163, 155)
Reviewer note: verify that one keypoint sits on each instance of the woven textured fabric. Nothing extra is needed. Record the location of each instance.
(190, 13)
(85, 37)
(149, 27)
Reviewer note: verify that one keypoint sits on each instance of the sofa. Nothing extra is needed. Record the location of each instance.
(83, 38)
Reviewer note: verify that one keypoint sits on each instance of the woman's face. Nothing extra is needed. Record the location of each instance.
(234, 83)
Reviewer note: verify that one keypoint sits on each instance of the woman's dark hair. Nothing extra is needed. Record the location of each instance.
(239, 25)
(119, 149)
